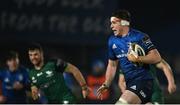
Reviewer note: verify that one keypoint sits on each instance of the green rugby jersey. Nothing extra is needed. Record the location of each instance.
(49, 79)
(157, 96)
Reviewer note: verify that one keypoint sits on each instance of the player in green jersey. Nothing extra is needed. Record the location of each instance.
(47, 77)
(157, 97)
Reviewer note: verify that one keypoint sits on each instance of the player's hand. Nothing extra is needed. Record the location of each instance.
(102, 90)
(132, 58)
(34, 92)
(17, 86)
(171, 88)
(2, 99)
(132, 55)
(85, 91)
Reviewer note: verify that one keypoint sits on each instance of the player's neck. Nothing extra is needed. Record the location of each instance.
(12, 69)
(125, 31)
(39, 66)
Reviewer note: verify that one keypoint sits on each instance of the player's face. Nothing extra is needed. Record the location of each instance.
(116, 26)
(36, 57)
(13, 64)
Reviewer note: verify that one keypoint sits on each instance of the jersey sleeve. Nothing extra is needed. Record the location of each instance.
(111, 54)
(147, 43)
(60, 65)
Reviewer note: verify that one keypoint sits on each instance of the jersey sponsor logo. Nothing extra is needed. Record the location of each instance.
(34, 80)
(133, 87)
(150, 46)
(121, 55)
(148, 42)
(142, 94)
(49, 73)
(114, 46)
(39, 74)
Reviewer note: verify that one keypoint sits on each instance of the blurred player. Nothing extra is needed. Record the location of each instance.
(119, 52)
(15, 80)
(94, 80)
(157, 97)
(48, 77)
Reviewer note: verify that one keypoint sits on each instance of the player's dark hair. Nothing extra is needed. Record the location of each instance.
(11, 55)
(35, 46)
(122, 14)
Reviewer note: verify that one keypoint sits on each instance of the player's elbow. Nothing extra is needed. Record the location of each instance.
(157, 59)
(156, 56)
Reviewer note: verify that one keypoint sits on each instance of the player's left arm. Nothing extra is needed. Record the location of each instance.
(63, 66)
(152, 55)
(165, 67)
(79, 77)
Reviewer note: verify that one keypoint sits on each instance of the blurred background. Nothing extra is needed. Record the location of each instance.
(77, 31)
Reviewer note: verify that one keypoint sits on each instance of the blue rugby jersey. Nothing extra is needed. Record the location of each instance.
(8, 78)
(118, 48)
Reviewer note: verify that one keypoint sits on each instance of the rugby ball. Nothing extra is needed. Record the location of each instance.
(137, 50)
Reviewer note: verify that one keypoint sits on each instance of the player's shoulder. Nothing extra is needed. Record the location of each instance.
(111, 39)
(3, 70)
(138, 34)
(31, 70)
(23, 68)
(56, 62)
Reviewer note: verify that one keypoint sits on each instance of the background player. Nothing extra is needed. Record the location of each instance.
(48, 77)
(15, 81)
(157, 96)
(118, 52)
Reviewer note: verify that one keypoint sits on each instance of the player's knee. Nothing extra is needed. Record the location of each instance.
(121, 101)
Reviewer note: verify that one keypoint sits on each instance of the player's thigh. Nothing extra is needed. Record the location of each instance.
(143, 89)
(130, 98)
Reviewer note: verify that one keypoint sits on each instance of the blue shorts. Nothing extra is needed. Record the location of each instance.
(143, 89)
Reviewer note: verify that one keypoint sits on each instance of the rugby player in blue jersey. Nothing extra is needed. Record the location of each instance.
(139, 81)
(14, 79)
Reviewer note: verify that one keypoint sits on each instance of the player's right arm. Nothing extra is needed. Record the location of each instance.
(165, 67)
(110, 74)
(111, 68)
(34, 88)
